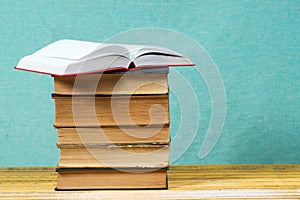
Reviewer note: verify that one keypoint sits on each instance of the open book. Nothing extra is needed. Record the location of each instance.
(72, 57)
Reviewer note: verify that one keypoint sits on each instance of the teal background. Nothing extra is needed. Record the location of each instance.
(255, 45)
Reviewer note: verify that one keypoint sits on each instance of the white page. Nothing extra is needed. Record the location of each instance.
(68, 49)
(45, 64)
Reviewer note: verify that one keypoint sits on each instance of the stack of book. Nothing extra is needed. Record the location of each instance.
(111, 112)
(115, 133)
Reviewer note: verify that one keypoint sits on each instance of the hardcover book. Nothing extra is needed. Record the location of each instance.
(117, 156)
(113, 134)
(82, 179)
(91, 111)
(72, 57)
(136, 84)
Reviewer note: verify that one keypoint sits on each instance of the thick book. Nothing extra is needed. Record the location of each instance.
(112, 83)
(115, 156)
(71, 57)
(113, 134)
(82, 179)
(91, 111)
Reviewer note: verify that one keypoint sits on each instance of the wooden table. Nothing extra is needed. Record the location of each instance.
(185, 182)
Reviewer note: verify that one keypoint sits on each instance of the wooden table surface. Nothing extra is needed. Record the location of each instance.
(185, 182)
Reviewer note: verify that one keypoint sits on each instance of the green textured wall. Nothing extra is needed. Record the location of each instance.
(255, 45)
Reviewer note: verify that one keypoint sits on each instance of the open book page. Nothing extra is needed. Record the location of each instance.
(45, 65)
(71, 57)
(68, 49)
(129, 51)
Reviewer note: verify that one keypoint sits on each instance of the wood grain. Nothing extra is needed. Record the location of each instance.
(185, 182)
